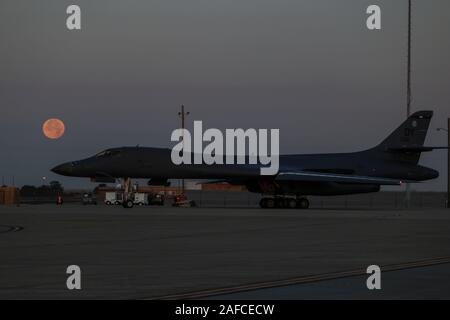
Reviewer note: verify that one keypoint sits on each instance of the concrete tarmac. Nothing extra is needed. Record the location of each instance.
(426, 283)
(152, 252)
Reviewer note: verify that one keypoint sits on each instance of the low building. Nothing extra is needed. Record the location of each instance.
(9, 195)
(222, 186)
(168, 192)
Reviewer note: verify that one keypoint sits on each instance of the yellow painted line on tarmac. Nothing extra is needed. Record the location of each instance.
(301, 280)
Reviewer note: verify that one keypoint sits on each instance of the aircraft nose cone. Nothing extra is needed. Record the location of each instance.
(435, 174)
(63, 169)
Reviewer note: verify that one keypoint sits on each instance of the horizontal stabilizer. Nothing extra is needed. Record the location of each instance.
(340, 178)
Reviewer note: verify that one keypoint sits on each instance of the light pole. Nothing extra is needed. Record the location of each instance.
(448, 160)
(183, 114)
(408, 89)
(408, 93)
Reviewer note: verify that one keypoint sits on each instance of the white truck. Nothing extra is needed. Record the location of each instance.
(115, 198)
(141, 199)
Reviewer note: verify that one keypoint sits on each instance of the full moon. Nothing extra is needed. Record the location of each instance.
(53, 128)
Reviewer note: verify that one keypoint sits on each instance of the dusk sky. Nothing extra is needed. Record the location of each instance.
(308, 67)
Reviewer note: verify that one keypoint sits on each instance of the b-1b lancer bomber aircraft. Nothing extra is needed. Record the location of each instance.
(393, 162)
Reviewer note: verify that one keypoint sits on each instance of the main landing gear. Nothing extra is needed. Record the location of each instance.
(281, 202)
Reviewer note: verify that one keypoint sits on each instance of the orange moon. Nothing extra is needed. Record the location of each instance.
(53, 128)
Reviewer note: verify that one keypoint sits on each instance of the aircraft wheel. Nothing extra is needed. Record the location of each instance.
(263, 203)
(270, 203)
(303, 203)
(291, 203)
(128, 204)
(282, 203)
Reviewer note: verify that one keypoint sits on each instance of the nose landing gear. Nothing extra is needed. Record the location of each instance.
(128, 202)
(284, 203)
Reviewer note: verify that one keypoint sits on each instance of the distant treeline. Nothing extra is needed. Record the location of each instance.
(53, 188)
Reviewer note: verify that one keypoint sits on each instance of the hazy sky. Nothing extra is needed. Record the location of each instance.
(308, 67)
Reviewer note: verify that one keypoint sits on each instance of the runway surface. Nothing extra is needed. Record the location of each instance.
(154, 252)
(415, 283)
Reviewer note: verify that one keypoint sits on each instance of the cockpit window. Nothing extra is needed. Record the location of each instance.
(101, 154)
(107, 153)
